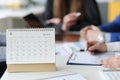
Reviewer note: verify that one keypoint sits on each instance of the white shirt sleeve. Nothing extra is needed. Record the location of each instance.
(113, 46)
(107, 37)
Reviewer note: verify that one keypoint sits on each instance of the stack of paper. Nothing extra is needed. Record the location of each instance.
(66, 77)
(69, 48)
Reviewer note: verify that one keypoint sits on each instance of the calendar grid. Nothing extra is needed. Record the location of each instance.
(25, 46)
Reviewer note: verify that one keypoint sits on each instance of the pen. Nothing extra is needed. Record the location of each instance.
(78, 14)
(84, 43)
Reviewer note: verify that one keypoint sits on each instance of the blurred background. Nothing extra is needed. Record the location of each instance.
(12, 11)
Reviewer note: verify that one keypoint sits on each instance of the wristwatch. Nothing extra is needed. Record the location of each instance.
(100, 37)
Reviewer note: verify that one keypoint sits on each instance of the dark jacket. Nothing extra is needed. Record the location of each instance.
(92, 15)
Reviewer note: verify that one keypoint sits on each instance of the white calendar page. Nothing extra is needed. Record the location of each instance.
(26, 46)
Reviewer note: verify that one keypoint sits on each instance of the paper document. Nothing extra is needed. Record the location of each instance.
(69, 48)
(110, 74)
(88, 59)
(66, 77)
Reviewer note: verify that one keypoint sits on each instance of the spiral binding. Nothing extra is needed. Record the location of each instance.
(32, 29)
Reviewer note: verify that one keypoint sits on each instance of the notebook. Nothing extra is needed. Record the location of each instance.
(74, 76)
(85, 58)
(32, 48)
(110, 74)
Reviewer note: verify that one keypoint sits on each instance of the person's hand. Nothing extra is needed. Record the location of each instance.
(83, 32)
(113, 62)
(97, 47)
(92, 36)
(54, 21)
(69, 20)
(95, 41)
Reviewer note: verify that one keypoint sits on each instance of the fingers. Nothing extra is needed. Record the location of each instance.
(54, 21)
(73, 15)
(66, 27)
(48, 21)
(72, 23)
(68, 21)
(92, 49)
(97, 47)
(83, 32)
(113, 62)
(70, 18)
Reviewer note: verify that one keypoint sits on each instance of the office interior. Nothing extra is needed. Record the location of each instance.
(13, 11)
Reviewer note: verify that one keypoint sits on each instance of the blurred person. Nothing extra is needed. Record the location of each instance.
(61, 14)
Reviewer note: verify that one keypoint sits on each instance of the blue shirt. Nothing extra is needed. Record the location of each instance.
(113, 28)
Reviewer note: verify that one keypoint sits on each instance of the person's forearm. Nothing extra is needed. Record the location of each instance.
(115, 37)
(110, 27)
(114, 46)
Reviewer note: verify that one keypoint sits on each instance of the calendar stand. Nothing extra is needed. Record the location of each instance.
(31, 50)
(31, 67)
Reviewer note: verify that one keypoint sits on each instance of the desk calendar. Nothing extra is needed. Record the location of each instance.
(30, 46)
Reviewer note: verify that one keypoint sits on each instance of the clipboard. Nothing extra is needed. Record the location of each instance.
(85, 58)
